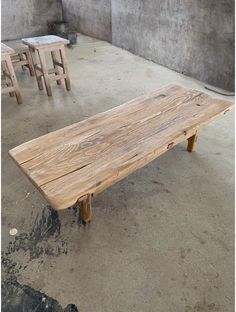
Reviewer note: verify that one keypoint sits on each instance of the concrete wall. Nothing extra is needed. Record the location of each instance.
(91, 17)
(195, 37)
(24, 18)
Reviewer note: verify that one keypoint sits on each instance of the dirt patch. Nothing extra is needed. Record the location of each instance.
(43, 239)
(36, 243)
(17, 298)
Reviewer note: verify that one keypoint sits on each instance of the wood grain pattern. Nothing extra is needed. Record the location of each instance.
(89, 156)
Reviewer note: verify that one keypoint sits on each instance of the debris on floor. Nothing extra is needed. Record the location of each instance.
(13, 232)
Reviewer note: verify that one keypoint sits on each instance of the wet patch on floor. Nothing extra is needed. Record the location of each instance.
(36, 243)
(43, 240)
(17, 298)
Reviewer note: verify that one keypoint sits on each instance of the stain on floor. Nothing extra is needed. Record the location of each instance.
(17, 297)
(46, 224)
(22, 298)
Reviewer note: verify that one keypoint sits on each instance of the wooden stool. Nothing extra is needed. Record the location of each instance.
(9, 81)
(22, 56)
(54, 45)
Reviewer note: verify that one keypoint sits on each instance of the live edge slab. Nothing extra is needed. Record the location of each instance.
(71, 165)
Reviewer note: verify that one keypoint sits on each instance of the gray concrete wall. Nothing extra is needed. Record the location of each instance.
(194, 37)
(91, 17)
(24, 18)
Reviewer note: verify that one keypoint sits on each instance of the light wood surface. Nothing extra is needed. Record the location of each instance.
(17, 45)
(5, 50)
(43, 41)
(85, 208)
(192, 142)
(85, 158)
(21, 56)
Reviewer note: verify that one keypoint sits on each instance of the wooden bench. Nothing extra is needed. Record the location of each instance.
(9, 81)
(73, 164)
(53, 45)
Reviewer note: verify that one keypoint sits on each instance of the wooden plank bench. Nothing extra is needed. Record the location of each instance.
(70, 165)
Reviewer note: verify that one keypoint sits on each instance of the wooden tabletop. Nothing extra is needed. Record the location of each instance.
(6, 50)
(87, 157)
(43, 41)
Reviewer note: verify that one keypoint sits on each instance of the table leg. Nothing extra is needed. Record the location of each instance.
(85, 208)
(192, 142)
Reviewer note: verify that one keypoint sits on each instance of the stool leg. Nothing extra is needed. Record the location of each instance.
(14, 80)
(5, 77)
(65, 68)
(45, 72)
(21, 56)
(38, 76)
(30, 62)
(57, 71)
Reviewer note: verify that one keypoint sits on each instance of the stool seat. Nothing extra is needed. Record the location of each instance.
(6, 50)
(44, 41)
(17, 46)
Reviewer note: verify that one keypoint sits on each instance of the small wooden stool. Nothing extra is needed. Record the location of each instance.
(22, 56)
(52, 44)
(9, 81)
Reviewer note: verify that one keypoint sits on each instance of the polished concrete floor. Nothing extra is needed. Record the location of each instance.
(161, 239)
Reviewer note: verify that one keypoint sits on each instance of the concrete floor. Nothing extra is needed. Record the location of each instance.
(161, 239)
